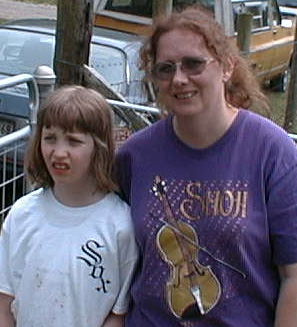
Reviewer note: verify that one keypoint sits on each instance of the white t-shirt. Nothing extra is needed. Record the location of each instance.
(67, 266)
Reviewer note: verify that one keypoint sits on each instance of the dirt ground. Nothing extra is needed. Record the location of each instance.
(18, 10)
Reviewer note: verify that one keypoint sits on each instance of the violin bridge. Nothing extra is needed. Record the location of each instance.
(195, 290)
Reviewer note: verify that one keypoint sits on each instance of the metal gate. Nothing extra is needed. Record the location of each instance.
(12, 147)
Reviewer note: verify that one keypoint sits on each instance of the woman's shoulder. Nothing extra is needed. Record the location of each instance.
(146, 136)
(262, 128)
(270, 139)
(261, 124)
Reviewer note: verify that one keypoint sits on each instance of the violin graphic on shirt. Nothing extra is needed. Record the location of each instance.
(193, 289)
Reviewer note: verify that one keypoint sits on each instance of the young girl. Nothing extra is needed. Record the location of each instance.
(67, 250)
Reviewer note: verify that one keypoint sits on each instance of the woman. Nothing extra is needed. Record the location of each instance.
(213, 190)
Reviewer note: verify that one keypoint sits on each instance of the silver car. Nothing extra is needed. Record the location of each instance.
(27, 44)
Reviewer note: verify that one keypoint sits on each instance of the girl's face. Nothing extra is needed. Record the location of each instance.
(190, 90)
(67, 156)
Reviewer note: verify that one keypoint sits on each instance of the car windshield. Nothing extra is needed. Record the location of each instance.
(23, 51)
(144, 7)
(292, 3)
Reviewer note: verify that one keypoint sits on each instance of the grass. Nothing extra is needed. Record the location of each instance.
(45, 2)
(2, 20)
(277, 106)
(277, 101)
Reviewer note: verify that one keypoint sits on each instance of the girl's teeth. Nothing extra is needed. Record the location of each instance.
(60, 166)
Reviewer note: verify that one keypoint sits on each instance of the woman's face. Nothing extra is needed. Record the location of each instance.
(189, 90)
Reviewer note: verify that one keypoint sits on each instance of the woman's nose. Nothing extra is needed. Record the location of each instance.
(180, 77)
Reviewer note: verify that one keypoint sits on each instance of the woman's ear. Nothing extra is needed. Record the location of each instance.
(228, 70)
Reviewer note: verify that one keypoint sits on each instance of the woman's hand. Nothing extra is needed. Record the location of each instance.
(112, 321)
(286, 312)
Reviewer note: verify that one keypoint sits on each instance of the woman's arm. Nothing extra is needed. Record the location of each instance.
(286, 311)
(6, 316)
(112, 321)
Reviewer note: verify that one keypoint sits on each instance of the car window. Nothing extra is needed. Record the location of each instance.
(111, 64)
(144, 7)
(292, 3)
(259, 10)
(22, 52)
(276, 15)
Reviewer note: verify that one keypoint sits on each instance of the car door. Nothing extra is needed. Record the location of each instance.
(261, 50)
(283, 38)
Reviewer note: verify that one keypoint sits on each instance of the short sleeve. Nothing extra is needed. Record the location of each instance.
(123, 173)
(128, 256)
(282, 203)
(5, 276)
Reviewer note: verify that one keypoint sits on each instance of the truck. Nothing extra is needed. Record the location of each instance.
(269, 40)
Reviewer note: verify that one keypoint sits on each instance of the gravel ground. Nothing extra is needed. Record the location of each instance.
(18, 10)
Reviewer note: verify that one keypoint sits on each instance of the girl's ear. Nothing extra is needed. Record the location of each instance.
(228, 69)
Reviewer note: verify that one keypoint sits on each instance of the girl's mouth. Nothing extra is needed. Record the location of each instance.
(60, 166)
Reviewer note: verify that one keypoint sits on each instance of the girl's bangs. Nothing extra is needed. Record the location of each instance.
(68, 117)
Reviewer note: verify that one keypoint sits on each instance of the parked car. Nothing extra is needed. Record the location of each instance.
(27, 44)
(271, 41)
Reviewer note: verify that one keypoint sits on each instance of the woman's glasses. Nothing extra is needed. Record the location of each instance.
(165, 70)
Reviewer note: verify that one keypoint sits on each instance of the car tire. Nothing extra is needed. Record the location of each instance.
(281, 82)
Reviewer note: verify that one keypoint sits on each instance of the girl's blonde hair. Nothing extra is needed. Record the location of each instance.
(75, 108)
(242, 90)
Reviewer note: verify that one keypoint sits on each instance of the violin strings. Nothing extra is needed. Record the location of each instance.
(199, 247)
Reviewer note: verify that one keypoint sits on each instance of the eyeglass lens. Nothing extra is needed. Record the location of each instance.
(190, 66)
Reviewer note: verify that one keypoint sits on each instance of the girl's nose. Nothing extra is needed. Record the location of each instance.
(60, 150)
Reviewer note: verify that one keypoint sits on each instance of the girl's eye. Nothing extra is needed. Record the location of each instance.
(49, 138)
(75, 141)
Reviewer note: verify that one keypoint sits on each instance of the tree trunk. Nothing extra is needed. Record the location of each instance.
(73, 37)
(161, 7)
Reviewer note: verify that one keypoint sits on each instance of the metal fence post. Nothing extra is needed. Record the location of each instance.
(46, 79)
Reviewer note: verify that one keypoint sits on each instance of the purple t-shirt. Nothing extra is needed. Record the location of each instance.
(212, 224)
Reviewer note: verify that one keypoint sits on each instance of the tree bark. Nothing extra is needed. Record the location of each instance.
(161, 7)
(73, 37)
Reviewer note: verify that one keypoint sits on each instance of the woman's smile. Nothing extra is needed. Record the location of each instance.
(185, 95)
